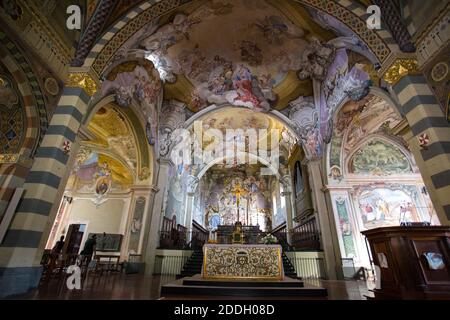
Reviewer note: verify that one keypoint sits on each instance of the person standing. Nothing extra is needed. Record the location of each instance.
(88, 250)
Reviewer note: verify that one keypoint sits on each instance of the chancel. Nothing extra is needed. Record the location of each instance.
(225, 148)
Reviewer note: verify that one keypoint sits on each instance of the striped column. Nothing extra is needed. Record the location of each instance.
(21, 249)
(425, 116)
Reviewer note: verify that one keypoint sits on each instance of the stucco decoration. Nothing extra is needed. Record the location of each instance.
(139, 81)
(304, 115)
(257, 48)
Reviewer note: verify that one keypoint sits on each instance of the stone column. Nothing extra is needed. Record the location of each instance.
(21, 249)
(155, 216)
(325, 221)
(430, 127)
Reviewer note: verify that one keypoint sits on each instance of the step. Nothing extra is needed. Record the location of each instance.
(177, 288)
(194, 281)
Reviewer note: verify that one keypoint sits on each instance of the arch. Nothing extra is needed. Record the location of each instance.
(378, 41)
(343, 167)
(28, 86)
(204, 112)
(376, 91)
(146, 153)
(217, 160)
(375, 137)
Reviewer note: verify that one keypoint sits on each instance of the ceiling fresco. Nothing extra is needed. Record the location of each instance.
(354, 123)
(242, 65)
(110, 160)
(93, 166)
(252, 62)
(231, 118)
(265, 55)
(137, 82)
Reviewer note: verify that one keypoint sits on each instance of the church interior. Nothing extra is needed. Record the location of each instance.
(230, 148)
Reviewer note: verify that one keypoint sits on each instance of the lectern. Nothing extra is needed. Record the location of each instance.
(414, 262)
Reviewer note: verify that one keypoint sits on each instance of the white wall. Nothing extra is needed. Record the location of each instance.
(109, 217)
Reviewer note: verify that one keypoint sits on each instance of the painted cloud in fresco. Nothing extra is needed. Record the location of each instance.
(254, 52)
(131, 81)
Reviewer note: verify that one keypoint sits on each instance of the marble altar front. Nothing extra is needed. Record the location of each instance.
(242, 261)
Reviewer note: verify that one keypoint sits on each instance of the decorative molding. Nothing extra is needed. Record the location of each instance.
(144, 174)
(395, 23)
(84, 81)
(93, 30)
(431, 43)
(400, 68)
(35, 29)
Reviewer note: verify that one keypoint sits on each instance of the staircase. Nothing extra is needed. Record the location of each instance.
(194, 265)
(289, 270)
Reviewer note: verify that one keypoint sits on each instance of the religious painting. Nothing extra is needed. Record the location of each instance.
(102, 186)
(108, 242)
(138, 81)
(236, 195)
(379, 158)
(99, 174)
(257, 49)
(386, 206)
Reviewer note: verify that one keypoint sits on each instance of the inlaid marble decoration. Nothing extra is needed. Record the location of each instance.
(242, 262)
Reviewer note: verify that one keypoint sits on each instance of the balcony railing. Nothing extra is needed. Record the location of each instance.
(176, 236)
(306, 236)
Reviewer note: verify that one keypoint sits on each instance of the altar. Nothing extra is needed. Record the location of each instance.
(242, 261)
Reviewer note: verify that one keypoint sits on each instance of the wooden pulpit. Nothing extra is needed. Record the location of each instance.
(414, 262)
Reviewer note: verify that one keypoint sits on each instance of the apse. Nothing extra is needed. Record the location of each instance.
(237, 193)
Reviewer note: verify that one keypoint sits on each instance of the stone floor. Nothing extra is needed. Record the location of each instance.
(139, 287)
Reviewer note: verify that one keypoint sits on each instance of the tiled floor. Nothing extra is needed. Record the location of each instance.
(139, 287)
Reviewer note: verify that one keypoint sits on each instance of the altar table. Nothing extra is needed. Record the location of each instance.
(242, 261)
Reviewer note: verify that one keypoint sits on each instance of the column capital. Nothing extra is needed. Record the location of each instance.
(84, 78)
(398, 66)
(164, 161)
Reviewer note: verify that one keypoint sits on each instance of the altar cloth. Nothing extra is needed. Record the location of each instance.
(242, 261)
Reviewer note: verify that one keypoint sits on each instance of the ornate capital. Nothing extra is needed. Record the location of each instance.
(84, 79)
(400, 68)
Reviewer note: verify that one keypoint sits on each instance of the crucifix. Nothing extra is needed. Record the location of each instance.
(238, 191)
